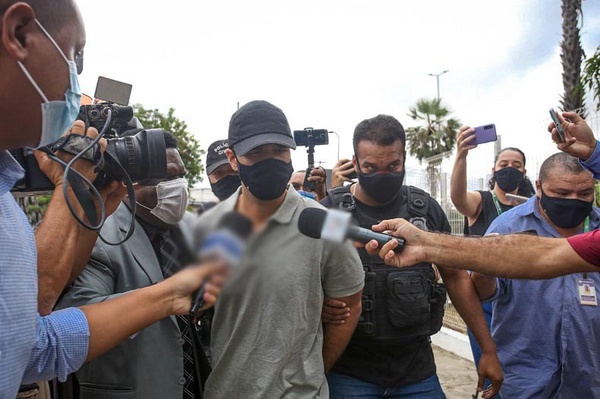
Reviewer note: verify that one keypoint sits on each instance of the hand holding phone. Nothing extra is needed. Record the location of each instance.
(343, 171)
(485, 134)
(559, 129)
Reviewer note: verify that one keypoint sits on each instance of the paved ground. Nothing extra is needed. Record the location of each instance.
(457, 375)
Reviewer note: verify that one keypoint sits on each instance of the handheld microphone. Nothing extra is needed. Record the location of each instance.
(335, 225)
(226, 244)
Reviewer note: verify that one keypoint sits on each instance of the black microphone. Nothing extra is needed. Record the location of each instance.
(226, 244)
(312, 223)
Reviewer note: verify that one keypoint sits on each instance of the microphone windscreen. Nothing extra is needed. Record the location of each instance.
(310, 222)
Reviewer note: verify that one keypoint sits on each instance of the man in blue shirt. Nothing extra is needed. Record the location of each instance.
(545, 329)
(40, 53)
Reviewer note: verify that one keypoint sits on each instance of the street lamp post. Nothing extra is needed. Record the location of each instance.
(437, 77)
(338, 144)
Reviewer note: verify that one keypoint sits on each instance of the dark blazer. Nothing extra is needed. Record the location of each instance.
(149, 364)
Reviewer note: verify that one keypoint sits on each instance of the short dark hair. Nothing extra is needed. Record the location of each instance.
(561, 161)
(381, 130)
(52, 14)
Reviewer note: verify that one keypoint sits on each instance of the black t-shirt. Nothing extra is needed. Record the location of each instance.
(488, 213)
(391, 364)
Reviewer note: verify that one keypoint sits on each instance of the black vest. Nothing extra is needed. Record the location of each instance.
(398, 304)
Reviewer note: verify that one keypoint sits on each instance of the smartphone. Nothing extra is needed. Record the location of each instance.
(307, 184)
(559, 129)
(485, 134)
(517, 198)
(304, 138)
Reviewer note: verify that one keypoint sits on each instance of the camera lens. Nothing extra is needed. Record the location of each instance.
(142, 156)
(93, 113)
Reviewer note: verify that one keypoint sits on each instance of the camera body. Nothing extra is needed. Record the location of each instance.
(137, 153)
(95, 115)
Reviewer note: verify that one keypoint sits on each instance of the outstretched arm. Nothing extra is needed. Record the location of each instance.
(467, 203)
(511, 256)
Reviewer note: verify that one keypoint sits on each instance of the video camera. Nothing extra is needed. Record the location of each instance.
(309, 138)
(131, 150)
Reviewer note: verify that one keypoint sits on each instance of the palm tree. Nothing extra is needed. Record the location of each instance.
(434, 139)
(571, 57)
(436, 135)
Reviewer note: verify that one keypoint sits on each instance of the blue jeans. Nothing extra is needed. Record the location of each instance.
(342, 386)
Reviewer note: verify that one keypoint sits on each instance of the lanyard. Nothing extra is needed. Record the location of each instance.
(586, 225)
(586, 229)
(497, 203)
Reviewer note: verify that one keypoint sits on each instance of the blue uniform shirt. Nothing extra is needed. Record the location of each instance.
(593, 164)
(546, 340)
(32, 348)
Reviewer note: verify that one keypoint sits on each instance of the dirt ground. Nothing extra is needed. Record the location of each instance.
(457, 375)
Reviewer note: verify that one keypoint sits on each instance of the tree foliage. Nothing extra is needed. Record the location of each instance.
(189, 147)
(436, 134)
(591, 76)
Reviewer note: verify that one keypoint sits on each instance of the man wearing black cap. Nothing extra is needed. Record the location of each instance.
(267, 336)
(224, 181)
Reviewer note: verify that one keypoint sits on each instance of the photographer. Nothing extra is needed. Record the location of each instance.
(41, 48)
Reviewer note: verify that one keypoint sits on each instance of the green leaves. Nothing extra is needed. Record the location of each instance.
(591, 76)
(189, 147)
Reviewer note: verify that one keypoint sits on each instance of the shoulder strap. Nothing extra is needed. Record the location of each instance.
(417, 201)
(341, 197)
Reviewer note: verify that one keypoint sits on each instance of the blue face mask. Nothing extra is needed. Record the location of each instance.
(57, 116)
(307, 194)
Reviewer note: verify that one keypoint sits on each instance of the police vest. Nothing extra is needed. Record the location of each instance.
(398, 304)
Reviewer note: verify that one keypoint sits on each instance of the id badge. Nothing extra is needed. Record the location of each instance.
(587, 292)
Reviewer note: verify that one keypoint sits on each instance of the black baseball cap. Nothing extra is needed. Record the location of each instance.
(215, 156)
(258, 123)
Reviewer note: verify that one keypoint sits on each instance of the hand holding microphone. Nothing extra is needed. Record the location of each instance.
(225, 245)
(335, 225)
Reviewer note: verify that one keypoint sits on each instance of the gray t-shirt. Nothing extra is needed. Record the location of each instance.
(267, 336)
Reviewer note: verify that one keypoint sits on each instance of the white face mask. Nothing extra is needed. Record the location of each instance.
(172, 200)
(57, 116)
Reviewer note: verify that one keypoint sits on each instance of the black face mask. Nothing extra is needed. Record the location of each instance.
(565, 212)
(226, 186)
(508, 179)
(383, 187)
(268, 179)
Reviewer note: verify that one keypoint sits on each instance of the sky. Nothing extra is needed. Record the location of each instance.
(331, 64)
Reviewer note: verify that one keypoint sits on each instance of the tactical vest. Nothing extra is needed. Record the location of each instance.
(398, 304)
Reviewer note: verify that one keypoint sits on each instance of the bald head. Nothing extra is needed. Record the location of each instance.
(560, 163)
